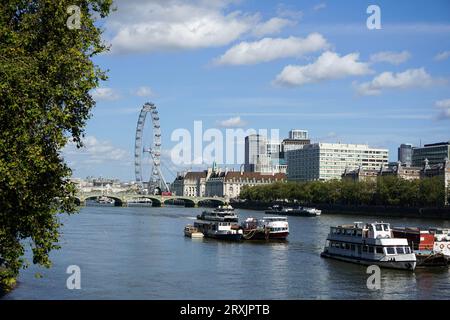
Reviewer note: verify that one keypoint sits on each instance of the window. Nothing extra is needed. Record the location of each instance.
(371, 249)
(365, 248)
(400, 250)
(407, 250)
(380, 250)
(390, 250)
(353, 247)
(378, 227)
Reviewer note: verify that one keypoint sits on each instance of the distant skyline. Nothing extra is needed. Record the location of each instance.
(284, 65)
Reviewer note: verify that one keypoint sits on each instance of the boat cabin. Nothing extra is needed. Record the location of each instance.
(377, 230)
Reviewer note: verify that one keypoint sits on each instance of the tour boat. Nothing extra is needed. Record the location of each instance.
(369, 244)
(221, 213)
(192, 232)
(101, 201)
(299, 211)
(221, 223)
(268, 228)
(140, 202)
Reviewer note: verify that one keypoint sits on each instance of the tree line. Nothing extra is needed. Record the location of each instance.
(385, 191)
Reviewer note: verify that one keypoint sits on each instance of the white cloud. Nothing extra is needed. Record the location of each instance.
(94, 151)
(288, 12)
(328, 66)
(149, 26)
(410, 78)
(320, 6)
(444, 107)
(442, 56)
(272, 26)
(144, 91)
(106, 94)
(235, 122)
(394, 58)
(269, 49)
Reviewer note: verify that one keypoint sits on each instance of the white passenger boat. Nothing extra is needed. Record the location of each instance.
(220, 223)
(299, 211)
(369, 244)
(140, 202)
(221, 213)
(268, 228)
(101, 201)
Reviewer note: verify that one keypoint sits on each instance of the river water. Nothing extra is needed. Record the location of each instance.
(141, 253)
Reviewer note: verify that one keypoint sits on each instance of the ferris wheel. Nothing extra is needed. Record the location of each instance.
(149, 144)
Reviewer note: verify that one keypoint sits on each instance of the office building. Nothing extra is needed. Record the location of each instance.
(326, 161)
(405, 152)
(296, 134)
(255, 153)
(435, 153)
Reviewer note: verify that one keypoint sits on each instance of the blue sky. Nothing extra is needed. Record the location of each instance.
(310, 65)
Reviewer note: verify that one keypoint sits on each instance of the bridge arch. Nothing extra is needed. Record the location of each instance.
(215, 201)
(187, 201)
(118, 202)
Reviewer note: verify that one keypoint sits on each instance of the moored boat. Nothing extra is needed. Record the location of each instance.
(268, 228)
(102, 201)
(298, 211)
(428, 250)
(369, 244)
(221, 223)
(140, 202)
(221, 213)
(192, 232)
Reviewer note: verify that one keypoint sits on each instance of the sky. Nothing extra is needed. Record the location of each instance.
(313, 65)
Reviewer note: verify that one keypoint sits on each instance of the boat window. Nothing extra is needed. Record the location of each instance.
(400, 250)
(378, 227)
(365, 248)
(353, 247)
(390, 250)
(342, 246)
(407, 250)
(347, 246)
(380, 250)
(386, 227)
(371, 249)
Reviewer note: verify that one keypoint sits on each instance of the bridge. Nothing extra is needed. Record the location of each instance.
(121, 199)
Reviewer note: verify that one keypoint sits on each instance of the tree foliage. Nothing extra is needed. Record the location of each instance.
(386, 191)
(46, 74)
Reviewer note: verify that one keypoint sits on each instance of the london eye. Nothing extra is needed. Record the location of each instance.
(148, 147)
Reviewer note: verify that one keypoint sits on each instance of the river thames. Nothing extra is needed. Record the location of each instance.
(141, 253)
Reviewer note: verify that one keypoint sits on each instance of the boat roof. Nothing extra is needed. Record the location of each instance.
(275, 218)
